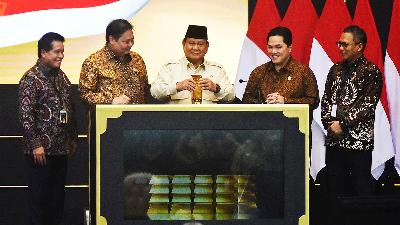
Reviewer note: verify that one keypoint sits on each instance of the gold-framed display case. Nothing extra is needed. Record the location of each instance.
(214, 164)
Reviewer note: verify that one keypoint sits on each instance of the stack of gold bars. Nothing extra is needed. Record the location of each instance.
(202, 197)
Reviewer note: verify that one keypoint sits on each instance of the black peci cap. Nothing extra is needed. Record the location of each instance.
(197, 32)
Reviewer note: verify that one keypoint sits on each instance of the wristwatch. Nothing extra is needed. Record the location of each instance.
(217, 89)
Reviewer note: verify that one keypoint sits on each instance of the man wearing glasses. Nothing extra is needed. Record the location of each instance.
(352, 91)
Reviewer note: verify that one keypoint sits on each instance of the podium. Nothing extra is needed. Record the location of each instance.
(214, 164)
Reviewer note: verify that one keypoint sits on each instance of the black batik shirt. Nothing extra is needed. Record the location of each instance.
(355, 89)
(43, 93)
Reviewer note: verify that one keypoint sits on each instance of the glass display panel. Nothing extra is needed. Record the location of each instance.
(203, 174)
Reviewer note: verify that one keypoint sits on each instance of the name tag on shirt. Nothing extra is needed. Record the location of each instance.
(334, 110)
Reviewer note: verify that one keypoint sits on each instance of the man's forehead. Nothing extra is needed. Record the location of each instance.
(57, 44)
(196, 40)
(275, 40)
(347, 36)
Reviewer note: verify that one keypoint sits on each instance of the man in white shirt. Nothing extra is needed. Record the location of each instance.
(174, 83)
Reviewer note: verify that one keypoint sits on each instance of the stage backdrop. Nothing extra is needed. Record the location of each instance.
(159, 29)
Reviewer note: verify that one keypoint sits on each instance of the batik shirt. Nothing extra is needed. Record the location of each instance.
(104, 76)
(43, 93)
(353, 89)
(295, 82)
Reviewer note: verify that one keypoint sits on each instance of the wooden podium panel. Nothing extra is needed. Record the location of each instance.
(216, 164)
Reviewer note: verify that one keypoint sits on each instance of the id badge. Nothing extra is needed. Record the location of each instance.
(63, 116)
(334, 110)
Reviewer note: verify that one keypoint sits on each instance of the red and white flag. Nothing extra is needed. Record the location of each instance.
(324, 53)
(254, 50)
(27, 20)
(301, 19)
(383, 145)
(392, 78)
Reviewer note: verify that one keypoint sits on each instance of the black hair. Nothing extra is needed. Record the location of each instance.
(283, 32)
(116, 28)
(45, 42)
(358, 33)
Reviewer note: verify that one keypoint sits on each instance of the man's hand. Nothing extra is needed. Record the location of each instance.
(335, 128)
(187, 84)
(207, 84)
(275, 98)
(39, 158)
(121, 100)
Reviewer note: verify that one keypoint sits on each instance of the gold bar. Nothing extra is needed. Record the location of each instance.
(225, 188)
(181, 189)
(159, 189)
(158, 208)
(181, 208)
(203, 179)
(181, 198)
(203, 198)
(159, 198)
(203, 208)
(202, 216)
(159, 216)
(226, 198)
(203, 189)
(224, 216)
(182, 179)
(159, 179)
(225, 179)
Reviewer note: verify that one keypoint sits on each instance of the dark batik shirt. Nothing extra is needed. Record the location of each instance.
(43, 92)
(104, 76)
(295, 82)
(355, 89)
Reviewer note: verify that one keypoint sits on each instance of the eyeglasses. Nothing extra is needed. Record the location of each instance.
(344, 44)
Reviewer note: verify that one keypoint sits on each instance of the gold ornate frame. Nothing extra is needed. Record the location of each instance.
(299, 111)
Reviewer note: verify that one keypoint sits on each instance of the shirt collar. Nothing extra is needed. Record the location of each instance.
(286, 68)
(354, 63)
(47, 71)
(110, 55)
(191, 66)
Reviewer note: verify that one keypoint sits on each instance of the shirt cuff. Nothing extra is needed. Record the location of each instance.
(35, 143)
(344, 125)
(172, 88)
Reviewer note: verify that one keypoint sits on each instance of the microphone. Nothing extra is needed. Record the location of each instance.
(257, 92)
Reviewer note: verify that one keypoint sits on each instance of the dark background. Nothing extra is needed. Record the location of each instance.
(375, 210)
(13, 181)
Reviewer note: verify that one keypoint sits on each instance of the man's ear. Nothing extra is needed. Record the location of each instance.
(361, 48)
(111, 39)
(42, 51)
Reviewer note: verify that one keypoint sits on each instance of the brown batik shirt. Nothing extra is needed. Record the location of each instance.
(104, 76)
(295, 82)
(354, 89)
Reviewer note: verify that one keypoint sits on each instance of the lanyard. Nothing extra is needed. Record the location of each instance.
(55, 81)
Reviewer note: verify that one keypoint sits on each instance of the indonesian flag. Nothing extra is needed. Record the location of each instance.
(324, 53)
(392, 78)
(27, 20)
(301, 19)
(254, 50)
(383, 145)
